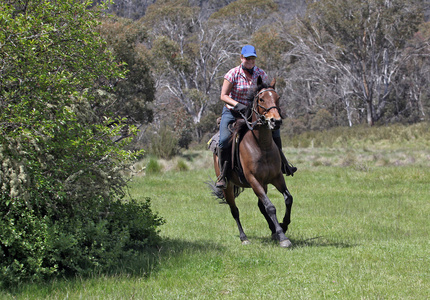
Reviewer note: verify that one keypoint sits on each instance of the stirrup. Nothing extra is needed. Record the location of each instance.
(221, 182)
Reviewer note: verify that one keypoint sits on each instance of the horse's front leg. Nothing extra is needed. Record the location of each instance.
(259, 190)
(268, 220)
(288, 198)
(288, 204)
(229, 196)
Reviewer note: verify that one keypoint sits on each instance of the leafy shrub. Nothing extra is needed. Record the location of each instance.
(294, 127)
(62, 206)
(34, 247)
(183, 128)
(24, 253)
(164, 144)
(79, 245)
(181, 165)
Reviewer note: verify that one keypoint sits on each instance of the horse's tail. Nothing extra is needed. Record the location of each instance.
(217, 192)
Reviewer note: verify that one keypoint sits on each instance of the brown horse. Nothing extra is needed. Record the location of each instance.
(261, 164)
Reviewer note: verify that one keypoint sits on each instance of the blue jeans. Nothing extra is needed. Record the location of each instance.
(224, 133)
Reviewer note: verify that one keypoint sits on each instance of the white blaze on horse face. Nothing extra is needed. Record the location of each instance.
(273, 113)
(271, 116)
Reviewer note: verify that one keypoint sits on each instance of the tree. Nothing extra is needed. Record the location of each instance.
(188, 56)
(271, 47)
(246, 15)
(130, 9)
(61, 187)
(412, 102)
(133, 94)
(360, 42)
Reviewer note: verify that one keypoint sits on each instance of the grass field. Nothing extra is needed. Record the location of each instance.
(360, 230)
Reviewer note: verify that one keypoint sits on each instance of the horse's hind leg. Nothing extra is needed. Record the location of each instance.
(229, 196)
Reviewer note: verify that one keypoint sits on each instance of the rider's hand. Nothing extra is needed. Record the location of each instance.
(241, 108)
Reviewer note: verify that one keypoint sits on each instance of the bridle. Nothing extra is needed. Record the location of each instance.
(260, 118)
(257, 104)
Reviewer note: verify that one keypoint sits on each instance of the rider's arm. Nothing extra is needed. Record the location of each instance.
(225, 92)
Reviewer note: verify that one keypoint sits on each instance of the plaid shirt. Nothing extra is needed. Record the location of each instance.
(241, 86)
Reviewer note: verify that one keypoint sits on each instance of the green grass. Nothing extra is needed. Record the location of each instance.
(360, 230)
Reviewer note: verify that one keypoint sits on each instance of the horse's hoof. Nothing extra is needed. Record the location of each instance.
(275, 237)
(285, 243)
(246, 242)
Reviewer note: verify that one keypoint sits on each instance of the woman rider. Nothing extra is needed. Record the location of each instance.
(235, 89)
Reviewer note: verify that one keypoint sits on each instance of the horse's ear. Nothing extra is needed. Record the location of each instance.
(259, 81)
(272, 84)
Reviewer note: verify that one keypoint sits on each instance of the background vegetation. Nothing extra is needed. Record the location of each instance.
(338, 63)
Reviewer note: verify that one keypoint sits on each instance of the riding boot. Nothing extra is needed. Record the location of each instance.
(224, 162)
(287, 168)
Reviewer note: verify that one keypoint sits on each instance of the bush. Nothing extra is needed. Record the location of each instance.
(153, 167)
(35, 247)
(62, 206)
(183, 128)
(164, 144)
(24, 252)
(182, 165)
(80, 245)
(293, 127)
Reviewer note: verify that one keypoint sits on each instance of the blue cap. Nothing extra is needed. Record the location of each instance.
(248, 51)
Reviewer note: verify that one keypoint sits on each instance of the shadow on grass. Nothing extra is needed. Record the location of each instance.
(319, 241)
(144, 264)
(151, 260)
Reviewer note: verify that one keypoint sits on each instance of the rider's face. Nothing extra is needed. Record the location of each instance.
(248, 62)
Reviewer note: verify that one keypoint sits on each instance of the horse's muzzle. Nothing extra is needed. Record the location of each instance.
(275, 124)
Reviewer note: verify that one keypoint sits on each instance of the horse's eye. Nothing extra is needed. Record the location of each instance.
(261, 99)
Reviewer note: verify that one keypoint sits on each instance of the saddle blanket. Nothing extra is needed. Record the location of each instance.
(213, 143)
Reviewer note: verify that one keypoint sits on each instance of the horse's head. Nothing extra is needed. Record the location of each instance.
(266, 105)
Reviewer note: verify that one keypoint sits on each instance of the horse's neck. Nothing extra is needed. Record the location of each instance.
(263, 136)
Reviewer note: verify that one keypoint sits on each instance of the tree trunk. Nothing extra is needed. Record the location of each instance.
(369, 112)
